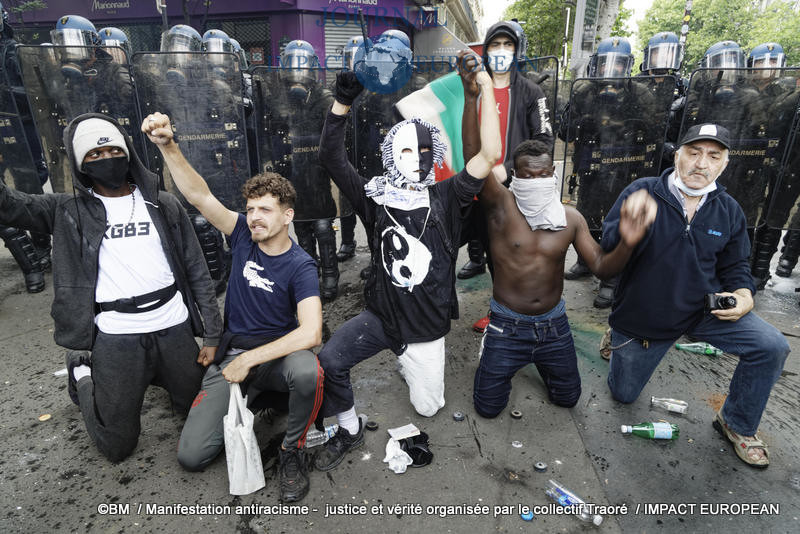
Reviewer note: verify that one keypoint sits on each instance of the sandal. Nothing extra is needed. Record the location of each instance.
(742, 444)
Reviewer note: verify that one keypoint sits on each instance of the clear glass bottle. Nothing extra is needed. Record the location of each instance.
(657, 430)
(672, 405)
(565, 497)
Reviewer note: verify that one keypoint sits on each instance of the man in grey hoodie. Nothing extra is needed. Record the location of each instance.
(131, 287)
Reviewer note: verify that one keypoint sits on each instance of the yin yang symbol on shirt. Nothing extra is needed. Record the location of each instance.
(405, 259)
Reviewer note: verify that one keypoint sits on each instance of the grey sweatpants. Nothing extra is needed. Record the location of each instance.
(298, 373)
(123, 365)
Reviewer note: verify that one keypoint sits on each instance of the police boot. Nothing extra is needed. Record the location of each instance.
(348, 247)
(578, 270)
(605, 297)
(326, 239)
(766, 244)
(477, 261)
(305, 238)
(213, 250)
(789, 254)
(23, 251)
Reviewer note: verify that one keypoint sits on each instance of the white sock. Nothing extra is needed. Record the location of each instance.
(80, 371)
(349, 421)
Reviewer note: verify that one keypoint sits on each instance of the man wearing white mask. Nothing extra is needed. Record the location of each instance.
(410, 294)
(522, 110)
(697, 245)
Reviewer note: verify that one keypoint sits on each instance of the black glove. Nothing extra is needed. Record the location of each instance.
(347, 87)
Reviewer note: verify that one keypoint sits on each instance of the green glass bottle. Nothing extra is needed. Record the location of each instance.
(700, 347)
(657, 430)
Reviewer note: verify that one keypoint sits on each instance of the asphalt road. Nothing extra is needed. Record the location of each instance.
(52, 479)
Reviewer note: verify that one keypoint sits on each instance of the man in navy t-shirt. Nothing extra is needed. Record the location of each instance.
(273, 316)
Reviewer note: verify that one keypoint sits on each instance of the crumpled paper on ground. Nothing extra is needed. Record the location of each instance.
(397, 458)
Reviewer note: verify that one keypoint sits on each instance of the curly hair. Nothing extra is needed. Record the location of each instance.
(270, 183)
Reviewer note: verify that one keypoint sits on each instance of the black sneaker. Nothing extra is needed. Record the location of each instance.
(293, 468)
(75, 358)
(333, 451)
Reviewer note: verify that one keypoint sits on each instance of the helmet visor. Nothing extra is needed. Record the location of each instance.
(613, 65)
(663, 56)
(725, 59)
(179, 42)
(72, 37)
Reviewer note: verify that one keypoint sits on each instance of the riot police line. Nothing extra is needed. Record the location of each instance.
(234, 120)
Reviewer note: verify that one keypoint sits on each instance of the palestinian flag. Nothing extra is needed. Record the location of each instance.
(441, 103)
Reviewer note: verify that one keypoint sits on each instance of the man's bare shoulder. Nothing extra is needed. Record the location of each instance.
(574, 217)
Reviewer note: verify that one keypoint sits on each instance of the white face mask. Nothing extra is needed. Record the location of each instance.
(501, 60)
(693, 192)
(538, 200)
(407, 163)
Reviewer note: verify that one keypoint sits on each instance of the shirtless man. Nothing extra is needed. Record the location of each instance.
(529, 234)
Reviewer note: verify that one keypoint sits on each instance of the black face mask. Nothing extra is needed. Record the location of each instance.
(110, 173)
(424, 140)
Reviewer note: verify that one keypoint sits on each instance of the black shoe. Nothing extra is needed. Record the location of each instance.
(34, 282)
(335, 448)
(761, 281)
(578, 270)
(293, 468)
(346, 251)
(329, 287)
(471, 268)
(365, 272)
(75, 358)
(785, 268)
(604, 298)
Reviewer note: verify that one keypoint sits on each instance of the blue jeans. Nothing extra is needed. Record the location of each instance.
(761, 348)
(513, 340)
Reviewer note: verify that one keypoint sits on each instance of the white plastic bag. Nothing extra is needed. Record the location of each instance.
(245, 473)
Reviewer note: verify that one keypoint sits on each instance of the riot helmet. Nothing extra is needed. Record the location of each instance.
(114, 37)
(181, 38)
(663, 54)
(766, 56)
(349, 52)
(502, 60)
(723, 55)
(240, 53)
(217, 41)
(612, 59)
(298, 63)
(75, 32)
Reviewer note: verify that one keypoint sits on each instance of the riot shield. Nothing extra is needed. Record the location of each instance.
(543, 71)
(202, 95)
(758, 107)
(63, 82)
(617, 126)
(291, 106)
(17, 164)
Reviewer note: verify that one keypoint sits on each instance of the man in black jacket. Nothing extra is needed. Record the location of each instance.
(130, 283)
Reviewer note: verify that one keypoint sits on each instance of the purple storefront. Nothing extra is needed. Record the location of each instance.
(262, 27)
